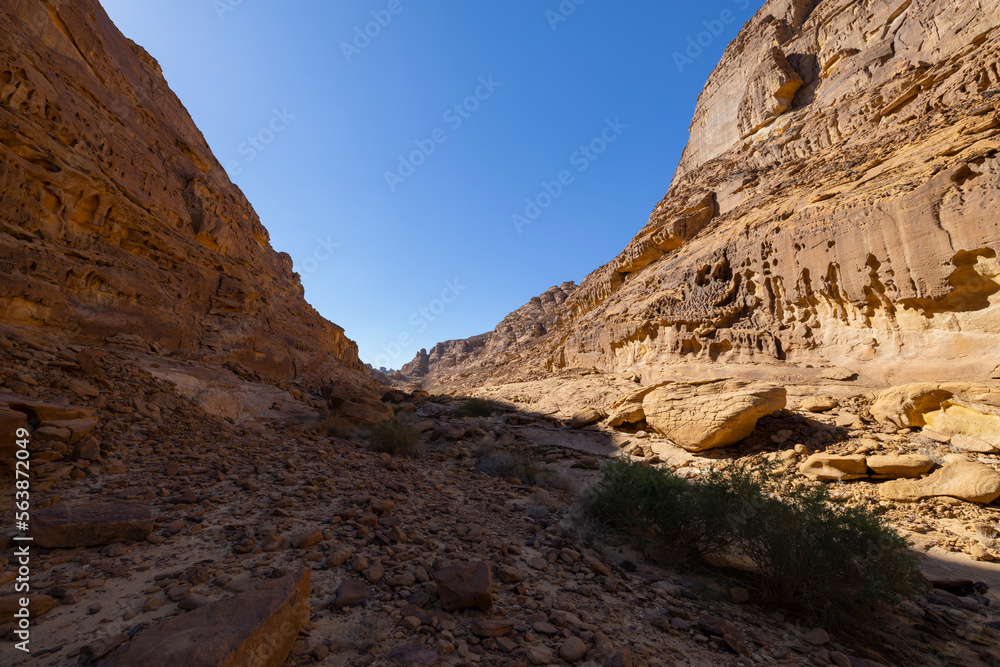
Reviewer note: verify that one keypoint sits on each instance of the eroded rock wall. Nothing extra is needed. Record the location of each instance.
(116, 221)
(837, 202)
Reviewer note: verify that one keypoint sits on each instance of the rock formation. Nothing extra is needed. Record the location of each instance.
(835, 204)
(117, 224)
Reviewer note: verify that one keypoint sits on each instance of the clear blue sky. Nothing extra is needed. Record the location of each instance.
(375, 249)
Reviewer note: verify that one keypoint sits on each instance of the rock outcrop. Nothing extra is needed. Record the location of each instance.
(973, 482)
(835, 205)
(705, 415)
(117, 224)
(951, 409)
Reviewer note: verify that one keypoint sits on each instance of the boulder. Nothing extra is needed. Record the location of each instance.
(968, 443)
(256, 628)
(818, 404)
(76, 429)
(492, 628)
(447, 431)
(900, 466)
(395, 396)
(465, 586)
(586, 417)
(949, 409)
(833, 468)
(704, 415)
(573, 650)
(87, 524)
(838, 374)
(351, 593)
(972, 482)
(627, 409)
(44, 411)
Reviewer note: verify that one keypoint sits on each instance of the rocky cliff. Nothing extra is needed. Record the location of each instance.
(516, 333)
(118, 225)
(836, 203)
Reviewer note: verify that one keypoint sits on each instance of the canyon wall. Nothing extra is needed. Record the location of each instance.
(117, 224)
(837, 203)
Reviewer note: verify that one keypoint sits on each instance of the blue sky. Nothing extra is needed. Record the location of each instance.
(434, 174)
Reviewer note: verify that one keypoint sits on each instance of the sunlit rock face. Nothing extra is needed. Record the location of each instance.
(116, 221)
(836, 202)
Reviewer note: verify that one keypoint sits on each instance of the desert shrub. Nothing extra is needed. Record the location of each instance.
(505, 458)
(396, 436)
(834, 563)
(650, 506)
(558, 480)
(509, 464)
(332, 425)
(368, 631)
(474, 407)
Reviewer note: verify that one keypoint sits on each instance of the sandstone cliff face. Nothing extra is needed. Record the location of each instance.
(836, 203)
(116, 221)
(458, 359)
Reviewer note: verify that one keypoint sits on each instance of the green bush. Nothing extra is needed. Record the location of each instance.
(396, 436)
(834, 563)
(474, 407)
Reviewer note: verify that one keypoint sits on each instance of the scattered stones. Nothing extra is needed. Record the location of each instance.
(414, 654)
(38, 605)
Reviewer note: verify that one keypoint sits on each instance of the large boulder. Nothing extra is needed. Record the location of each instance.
(896, 466)
(972, 482)
(88, 524)
(703, 415)
(586, 417)
(832, 468)
(950, 409)
(627, 409)
(465, 586)
(253, 629)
